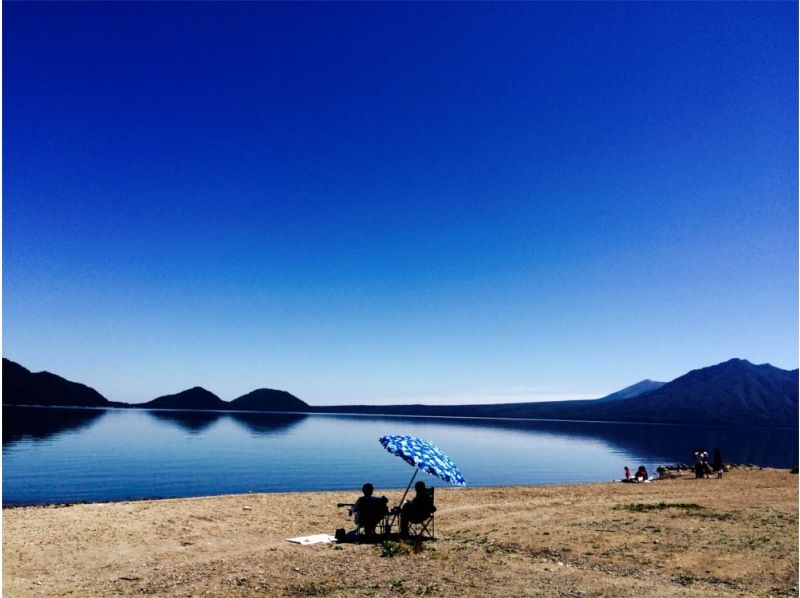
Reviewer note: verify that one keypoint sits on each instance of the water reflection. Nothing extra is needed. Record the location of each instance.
(64, 455)
(192, 422)
(773, 447)
(195, 422)
(267, 423)
(43, 423)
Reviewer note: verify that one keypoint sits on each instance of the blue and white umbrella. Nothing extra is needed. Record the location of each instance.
(425, 456)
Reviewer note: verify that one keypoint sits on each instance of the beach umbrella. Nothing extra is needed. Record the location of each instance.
(425, 456)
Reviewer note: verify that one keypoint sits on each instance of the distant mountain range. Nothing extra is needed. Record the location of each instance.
(22, 387)
(733, 392)
(263, 399)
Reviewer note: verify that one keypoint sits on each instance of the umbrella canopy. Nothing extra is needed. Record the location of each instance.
(425, 456)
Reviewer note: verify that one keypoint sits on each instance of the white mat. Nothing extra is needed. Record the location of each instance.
(315, 539)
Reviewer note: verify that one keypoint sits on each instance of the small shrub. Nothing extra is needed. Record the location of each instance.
(390, 548)
(754, 543)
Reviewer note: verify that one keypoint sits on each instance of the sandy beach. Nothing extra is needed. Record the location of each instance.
(730, 537)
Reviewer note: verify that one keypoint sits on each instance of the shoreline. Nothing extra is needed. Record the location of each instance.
(714, 537)
(685, 469)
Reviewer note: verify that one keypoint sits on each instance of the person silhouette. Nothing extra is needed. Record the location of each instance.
(416, 510)
(719, 467)
(368, 510)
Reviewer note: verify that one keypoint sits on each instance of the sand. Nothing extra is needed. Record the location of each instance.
(730, 537)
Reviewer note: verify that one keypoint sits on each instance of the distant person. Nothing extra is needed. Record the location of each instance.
(706, 465)
(368, 510)
(641, 474)
(416, 510)
(699, 471)
(627, 474)
(719, 466)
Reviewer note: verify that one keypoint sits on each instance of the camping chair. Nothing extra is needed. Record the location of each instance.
(372, 519)
(421, 524)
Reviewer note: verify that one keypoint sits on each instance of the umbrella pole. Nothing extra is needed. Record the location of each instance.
(394, 517)
(409, 486)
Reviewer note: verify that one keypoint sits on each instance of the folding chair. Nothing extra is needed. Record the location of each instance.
(372, 519)
(422, 524)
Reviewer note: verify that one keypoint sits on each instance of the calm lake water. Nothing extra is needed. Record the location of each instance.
(55, 455)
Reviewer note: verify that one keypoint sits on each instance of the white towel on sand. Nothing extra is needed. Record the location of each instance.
(315, 539)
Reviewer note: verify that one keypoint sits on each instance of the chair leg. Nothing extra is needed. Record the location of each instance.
(424, 528)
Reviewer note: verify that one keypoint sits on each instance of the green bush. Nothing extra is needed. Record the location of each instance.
(390, 548)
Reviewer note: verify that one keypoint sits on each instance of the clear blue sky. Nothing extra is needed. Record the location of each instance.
(398, 202)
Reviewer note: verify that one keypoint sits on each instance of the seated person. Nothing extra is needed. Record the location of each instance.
(368, 510)
(416, 510)
(641, 474)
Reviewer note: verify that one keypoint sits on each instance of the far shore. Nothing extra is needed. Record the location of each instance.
(400, 415)
(714, 537)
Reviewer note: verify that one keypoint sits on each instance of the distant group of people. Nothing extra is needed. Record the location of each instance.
(640, 476)
(369, 510)
(704, 469)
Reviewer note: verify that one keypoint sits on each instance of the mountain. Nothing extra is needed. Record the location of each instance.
(733, 392)
(193, 398)
(23, 387)
(633, 390)
(267, 399)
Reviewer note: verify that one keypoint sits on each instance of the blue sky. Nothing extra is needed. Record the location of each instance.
(398, 202)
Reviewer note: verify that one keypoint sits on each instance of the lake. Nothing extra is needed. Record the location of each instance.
(58, 455)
